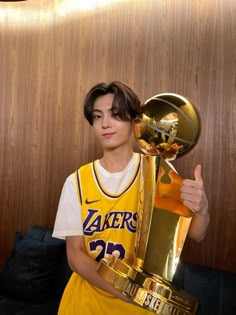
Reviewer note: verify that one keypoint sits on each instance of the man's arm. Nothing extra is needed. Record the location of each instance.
(194, 197)
(81, 263)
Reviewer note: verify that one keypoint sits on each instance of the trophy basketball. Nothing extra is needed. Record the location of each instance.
(169, 128)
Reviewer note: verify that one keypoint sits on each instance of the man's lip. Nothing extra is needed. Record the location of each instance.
(108, 134)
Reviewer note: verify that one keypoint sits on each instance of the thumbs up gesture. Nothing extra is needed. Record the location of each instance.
(193, 193)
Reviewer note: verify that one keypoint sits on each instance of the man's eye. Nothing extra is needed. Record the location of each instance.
(96, 117)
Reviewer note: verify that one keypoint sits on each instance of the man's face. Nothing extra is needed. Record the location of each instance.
(110, 131)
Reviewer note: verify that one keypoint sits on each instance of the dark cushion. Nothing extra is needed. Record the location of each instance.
(214, 289)
(31, 270)
(63, 274)
(13, 306)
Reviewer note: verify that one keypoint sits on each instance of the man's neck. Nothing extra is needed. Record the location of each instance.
(116, 161)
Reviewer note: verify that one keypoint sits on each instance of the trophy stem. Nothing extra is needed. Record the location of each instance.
(150, 165)
(163, 219)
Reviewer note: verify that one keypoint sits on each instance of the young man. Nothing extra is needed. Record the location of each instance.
(97, 213)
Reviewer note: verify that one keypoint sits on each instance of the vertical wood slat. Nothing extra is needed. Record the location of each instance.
(50, 60)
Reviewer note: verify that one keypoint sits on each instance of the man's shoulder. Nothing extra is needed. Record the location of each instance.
(81, 171)
(85, 167)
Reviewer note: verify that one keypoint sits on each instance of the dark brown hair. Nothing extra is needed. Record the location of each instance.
(126, 103)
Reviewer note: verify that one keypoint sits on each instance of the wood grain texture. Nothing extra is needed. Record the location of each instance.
(49, 60)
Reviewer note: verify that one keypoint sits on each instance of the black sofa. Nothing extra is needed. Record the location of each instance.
(214, 289)
(36, 273)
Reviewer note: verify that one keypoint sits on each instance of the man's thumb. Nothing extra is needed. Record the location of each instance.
(198, 173)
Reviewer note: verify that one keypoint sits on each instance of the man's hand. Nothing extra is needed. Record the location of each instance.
(194, 198)
(193, 193)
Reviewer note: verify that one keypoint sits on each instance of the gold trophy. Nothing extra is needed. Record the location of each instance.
(169, 128)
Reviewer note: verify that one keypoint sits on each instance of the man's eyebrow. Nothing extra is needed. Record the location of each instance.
(100, 111)
(96, 110)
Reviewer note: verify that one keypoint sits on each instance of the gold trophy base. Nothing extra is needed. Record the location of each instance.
(150, 292)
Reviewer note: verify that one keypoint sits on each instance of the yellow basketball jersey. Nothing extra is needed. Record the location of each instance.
(109, 224)
(109, 221)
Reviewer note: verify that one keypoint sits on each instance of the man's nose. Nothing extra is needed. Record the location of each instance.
(106, 122)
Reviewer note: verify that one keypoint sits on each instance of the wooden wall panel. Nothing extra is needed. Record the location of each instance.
(51, 55)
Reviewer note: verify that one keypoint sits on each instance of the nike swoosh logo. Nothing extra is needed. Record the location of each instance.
(91, 201)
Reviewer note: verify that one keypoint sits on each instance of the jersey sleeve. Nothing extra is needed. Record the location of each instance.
(68, 218)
